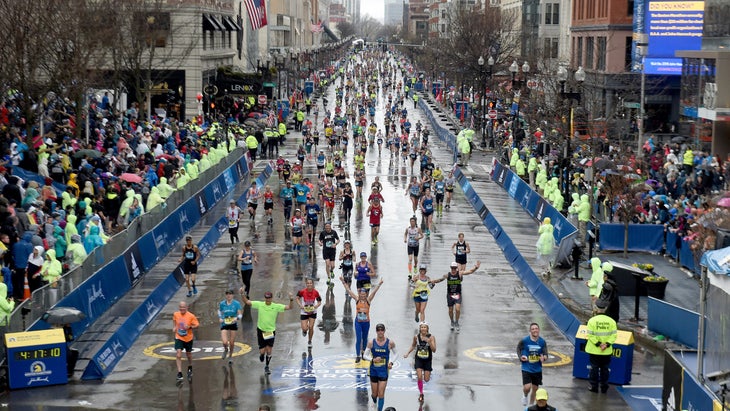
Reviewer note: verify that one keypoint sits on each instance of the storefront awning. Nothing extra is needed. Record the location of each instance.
(211, 24)
(218, 21)
(330, 33)
(231, 24)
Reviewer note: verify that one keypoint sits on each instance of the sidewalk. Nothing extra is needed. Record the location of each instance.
(683, 289)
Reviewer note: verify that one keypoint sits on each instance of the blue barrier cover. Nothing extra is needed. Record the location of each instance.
(642, 237)
(687, 257)
(672, 244)
(674, 322)
(104, 361)
(26, 175)
(695, 395)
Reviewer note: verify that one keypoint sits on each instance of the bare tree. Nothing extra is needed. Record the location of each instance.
(346, 29)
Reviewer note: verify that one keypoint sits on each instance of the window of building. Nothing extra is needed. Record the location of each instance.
(211, 39)
(550, 47)
(443, 28)
(601, 57)
(630, 8)
(590, 52)
(552, 13)
(627, 54)
(579, 51)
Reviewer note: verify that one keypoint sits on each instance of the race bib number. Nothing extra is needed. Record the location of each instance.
(455, 296)
(229, 320)
(424, 295)
(232, 223)
(309, 308)
(379, 362)
(533, 358)
(267, 335)
(362, 317)
(329, 244)
(182, 332)
(422, 354)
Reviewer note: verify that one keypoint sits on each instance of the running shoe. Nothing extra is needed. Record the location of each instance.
(261, 357)
(309, 344)
(190, 372)
(267, 370)
(524, 400)
(190, 293)
(357, 360)
(420, 398)
(195, 290)
(452, 325)
(417, 317)
(225, 353)
(179, 376)
(458, 327)
(304, 333)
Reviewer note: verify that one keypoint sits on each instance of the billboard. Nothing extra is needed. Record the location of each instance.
(671, 25)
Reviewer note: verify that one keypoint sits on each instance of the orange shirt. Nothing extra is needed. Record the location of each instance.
(183, 325)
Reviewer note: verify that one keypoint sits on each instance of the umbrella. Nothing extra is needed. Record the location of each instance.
(130, 178)
(678, 139)
(724, 202)
(63, 315)
(632, 176)
(610, 173)
(87, 152)
(603, 164)
(652, 182)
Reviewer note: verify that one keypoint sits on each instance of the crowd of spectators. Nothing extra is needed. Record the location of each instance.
(89, 189)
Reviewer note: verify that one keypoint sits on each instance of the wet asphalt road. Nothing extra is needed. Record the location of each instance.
(474, 369)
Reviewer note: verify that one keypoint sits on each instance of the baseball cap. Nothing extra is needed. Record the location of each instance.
(233, 201)
(380, 327)
(229, 291)
(268, 294)
(188, 237)
(363, 254)
(454, 264)
(541, 394)
(422, 267)
(347, 242)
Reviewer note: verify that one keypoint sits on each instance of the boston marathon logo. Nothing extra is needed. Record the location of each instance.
(202, 350)
(336, 373)
(505, 356)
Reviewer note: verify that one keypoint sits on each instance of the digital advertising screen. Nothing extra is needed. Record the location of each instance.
(671, 26)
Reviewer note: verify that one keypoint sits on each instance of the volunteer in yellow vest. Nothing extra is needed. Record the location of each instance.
(602, 333)
(688, 160)
(300, 120)
(252, 144)
(415, 100)
(308, 104)
(282, 133)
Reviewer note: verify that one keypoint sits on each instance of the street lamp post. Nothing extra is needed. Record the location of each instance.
(490, 65)
(517, 83)
(579, 76)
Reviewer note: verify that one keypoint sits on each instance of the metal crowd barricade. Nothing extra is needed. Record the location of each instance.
(42, 299)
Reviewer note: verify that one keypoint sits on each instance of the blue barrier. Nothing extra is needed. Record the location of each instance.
(687, 257)
(642, 237)
(674, 322)
(564, 320)
(31, 176)
(109, 355)
(672, 244)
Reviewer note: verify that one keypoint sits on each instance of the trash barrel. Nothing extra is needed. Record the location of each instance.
(621, 363)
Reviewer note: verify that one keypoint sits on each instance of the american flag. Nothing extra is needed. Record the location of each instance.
(271, 119)
(256, 13)
(316, 27)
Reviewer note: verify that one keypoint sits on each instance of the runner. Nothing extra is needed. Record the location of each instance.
(247, 258)
(253, 201)
(229, 314)
(309, 301)
(183, 324)
(297, 230)
(375, 212)
(190, 256)
(532, 352)
(423, 285)
(411, 237)
(328, 240)
(453, 291)
(365, 272)
(427, 210)
(347, 255)
(379, 350)
(287, 197)
(266, 323)
(439, 188)
(363, 300)
(347, 198)
(268, 204)
(233, 214)
(414, 190)
(449, 188)
(460, 249)
(425, 345)
(312, 211)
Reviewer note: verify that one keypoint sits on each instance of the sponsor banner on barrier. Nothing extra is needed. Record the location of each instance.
(133, 261)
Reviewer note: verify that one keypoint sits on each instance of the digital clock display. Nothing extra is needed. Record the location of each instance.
(37, 354)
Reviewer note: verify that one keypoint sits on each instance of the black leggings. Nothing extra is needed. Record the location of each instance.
(246, 278)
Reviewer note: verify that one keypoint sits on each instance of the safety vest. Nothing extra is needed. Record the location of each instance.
(251, 142)
(282, 129)
(601, 329)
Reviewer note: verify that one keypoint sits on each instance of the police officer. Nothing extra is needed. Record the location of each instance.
(602, 333)
(252, 144)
